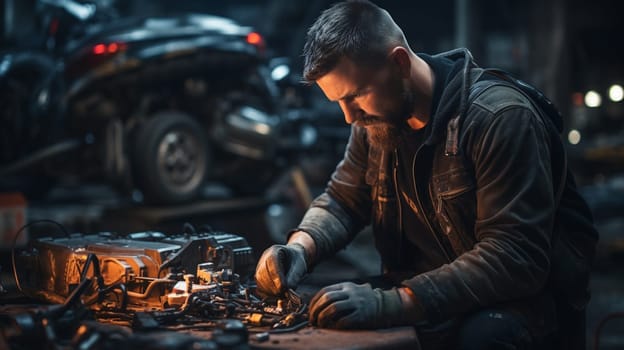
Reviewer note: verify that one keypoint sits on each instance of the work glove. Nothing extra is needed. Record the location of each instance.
(349, 305)
(281, 267)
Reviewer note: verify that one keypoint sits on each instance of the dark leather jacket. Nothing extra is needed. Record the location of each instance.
(493, 184)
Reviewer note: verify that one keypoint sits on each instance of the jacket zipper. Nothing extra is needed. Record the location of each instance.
(422, 211)
(451, 147)
(395, 176)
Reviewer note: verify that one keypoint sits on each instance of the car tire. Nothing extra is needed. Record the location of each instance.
(170, 158)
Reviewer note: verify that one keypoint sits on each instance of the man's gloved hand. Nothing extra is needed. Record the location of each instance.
(350, 305)
(280, 268)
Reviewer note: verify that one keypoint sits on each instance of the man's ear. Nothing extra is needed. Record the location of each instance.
(400, 57)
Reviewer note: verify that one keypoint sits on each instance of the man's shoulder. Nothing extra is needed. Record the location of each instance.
(497, 96)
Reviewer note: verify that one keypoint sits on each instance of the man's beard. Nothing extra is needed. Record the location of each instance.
(384, 136)
(385, 132)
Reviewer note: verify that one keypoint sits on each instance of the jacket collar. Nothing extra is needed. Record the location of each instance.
(454, 100)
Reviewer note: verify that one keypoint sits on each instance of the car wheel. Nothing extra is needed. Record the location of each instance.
(170, 158)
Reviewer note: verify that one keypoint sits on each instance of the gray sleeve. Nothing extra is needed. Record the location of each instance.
(337, 215)
(328, 233)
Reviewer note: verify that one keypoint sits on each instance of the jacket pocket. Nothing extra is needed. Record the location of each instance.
(454, 199)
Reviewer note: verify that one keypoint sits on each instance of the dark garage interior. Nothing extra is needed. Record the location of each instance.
(108, 108)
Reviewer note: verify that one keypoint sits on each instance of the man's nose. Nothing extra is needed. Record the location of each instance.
(350, 111)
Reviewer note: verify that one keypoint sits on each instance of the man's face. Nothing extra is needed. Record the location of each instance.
(377, 99)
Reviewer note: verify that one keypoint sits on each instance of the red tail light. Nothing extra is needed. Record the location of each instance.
(255, 39)
(113, 47)
(99, 49)
(110, 48)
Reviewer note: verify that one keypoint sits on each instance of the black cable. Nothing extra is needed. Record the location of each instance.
(71, 300)
(103, 290)
(93, 259)
(17, 234)
(188, 228)
(96, 267)
(124, 293)
(296, 327)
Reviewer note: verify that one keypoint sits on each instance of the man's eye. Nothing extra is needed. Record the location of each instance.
(354, 96)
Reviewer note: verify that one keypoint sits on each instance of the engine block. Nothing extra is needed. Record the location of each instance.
(136, 272)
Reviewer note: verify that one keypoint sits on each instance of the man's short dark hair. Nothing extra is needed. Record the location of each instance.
(356, 29)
